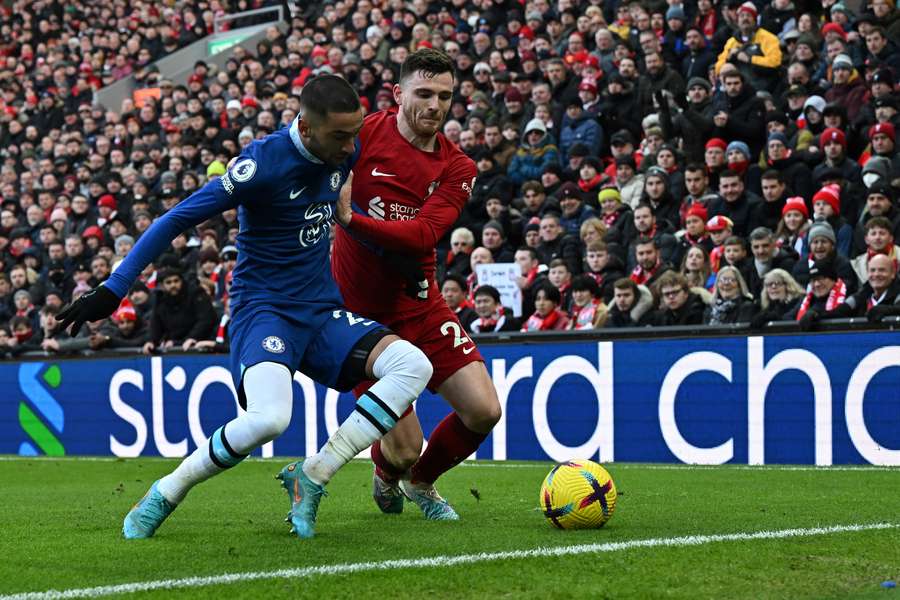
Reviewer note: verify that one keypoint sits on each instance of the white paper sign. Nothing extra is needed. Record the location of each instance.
(503, 277)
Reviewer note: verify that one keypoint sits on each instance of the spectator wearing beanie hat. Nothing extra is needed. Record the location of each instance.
(884, 139)
(827, 207)
(715, 160)
(694, 232)
(694, 123)
(793, 227)
(759, 66)
(534, 154)
(612, 211)
(833, 144)
(792, 168)
(847, 88)
(579, 126)
(879, 203)
(822, 245)
(827, 292)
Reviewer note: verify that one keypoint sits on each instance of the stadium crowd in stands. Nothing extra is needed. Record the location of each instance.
(644, 163)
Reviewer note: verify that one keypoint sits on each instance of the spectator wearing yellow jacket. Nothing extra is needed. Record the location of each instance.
(753, 50)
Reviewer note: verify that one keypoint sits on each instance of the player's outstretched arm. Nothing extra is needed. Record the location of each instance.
(102, 301)
(440, 212)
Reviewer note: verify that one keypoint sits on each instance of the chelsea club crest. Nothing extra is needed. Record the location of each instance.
(273, 344)
(335, 180)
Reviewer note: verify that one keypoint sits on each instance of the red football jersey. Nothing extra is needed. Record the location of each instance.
(405, 200)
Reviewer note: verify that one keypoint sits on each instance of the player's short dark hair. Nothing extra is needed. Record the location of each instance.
(488, 290)
(429, 61)
(327, 94)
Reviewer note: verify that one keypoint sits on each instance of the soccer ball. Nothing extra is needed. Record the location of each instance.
(578, 494)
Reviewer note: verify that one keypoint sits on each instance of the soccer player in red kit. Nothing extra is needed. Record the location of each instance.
(408, 188)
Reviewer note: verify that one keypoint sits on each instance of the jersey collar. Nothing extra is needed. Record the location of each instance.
(298, 143)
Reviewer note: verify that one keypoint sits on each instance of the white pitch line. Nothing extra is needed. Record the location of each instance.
(440, 561)
(488, 464)
(682, 467)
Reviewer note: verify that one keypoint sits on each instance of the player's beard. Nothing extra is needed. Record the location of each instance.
(423, 128)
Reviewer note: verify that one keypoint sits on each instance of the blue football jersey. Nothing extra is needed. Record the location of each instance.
(286, 199)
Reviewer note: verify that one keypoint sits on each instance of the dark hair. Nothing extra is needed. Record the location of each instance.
(585, 283)
(695, 167)
(643, 205)
(459, 279)
(879, 222)
(550, 292)
(531, 251)
(429, 61)
(729, 173)
(327, 94)
(626, 284)
(488, 290)
(644, 240)
(773, 174)
(735, 240)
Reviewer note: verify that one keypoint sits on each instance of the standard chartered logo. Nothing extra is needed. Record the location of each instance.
(41, 414)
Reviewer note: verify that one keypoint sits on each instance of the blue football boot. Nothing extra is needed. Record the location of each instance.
(428, 499)
(304, 495)
(387, 495)
(147, 515)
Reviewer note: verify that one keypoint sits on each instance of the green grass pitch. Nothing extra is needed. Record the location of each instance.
(61, 523)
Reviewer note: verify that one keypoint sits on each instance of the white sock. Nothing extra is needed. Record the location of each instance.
(269, 392)
(403, 372)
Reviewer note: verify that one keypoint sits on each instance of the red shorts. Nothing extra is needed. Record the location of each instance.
(437, 332)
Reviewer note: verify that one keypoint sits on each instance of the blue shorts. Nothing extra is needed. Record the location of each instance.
(317, 349)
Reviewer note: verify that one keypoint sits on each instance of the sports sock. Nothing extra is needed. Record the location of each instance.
(383, 467)
(450, 443)
(402, 371)
(269, 392)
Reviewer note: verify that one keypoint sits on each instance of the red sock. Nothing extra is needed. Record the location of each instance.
(450, 443)
(383, 467)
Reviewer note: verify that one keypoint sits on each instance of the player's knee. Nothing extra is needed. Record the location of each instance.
(420, 366)
(404, 362)
(484, 417)
(271, 425)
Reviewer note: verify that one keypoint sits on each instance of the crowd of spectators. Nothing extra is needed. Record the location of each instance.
(643, 162)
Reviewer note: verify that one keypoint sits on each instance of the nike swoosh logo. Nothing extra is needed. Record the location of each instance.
(377, 173)
(468, 350)
(297, 193)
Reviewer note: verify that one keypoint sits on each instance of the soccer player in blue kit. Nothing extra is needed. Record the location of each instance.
(287, 313)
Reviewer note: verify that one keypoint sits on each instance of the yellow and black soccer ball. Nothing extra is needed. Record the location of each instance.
(578, 494)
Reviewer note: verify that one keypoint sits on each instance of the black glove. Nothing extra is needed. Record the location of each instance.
(410, 268)
(682, 101)
(97, 304)
(808, 320)
(878, 312)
